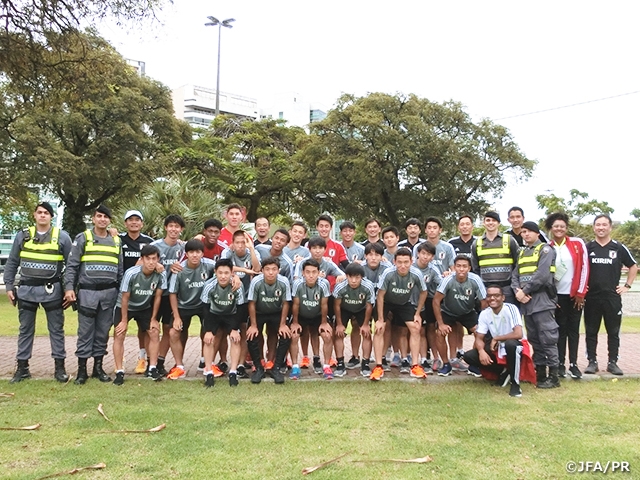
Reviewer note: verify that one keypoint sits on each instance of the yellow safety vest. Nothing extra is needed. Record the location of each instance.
(489, 257)
(528, 265)
(41, 260)
(100, 254)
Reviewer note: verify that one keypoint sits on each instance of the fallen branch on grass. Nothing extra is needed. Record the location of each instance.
(102, 413)
(98, 466)
(7, 395)
(308, 470)
(30, 427)
(426, 459)
(151, 430)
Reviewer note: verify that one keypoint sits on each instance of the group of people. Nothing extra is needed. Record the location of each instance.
(413, 298)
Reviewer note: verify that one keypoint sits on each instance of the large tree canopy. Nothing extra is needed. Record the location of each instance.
(397, 156)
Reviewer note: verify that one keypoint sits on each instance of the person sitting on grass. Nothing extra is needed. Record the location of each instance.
(222, 320)
(140, 296)
(310, 309)
(269, 296)
(354, 300)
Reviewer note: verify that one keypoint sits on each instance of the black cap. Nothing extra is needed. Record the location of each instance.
(492, 214)
(531, 226)
(47, 206)
(104, 210)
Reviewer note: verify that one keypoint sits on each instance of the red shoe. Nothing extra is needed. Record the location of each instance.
(216, 371)
(377, 373)
(305, 362)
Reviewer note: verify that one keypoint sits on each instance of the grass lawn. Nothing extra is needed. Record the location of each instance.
(470, 429)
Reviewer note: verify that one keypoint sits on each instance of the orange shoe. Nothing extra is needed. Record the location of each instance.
(216, 371)
(141, 367)
(417, 372)
(377, 373)
(268, 365)
(176, 373)
(305, 362)
(333, 363)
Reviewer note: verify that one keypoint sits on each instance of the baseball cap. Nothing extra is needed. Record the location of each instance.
(133, 213)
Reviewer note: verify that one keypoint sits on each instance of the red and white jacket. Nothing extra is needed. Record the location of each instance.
(578, 251)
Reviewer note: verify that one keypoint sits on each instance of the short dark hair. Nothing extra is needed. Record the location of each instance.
(391, 229)
(262, 218)
(213, 222)
(224, 262)
(494, 285)
(173, 218)
(194, 245)
(347, 224)
(316, 242)
(271, 261)
(551, 219)
(403, 252)
(465, 215)
(603, 215)
(149, 250)
(284, 232)
(426, 246)
(372, 220)
(234, 206)
(354, 269)
(434, 220)
(310, 262)
(299, 223)
(412, 221)
(515, 209)
(375, 247)
(326, 218)
(462, 256)
(238, 233)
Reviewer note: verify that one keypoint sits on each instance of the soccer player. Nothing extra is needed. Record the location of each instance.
(354, 301)
(234, 215)
(222, 320)
(185, 291)
(294, 249)
(279, 241)
(390, 237)
(413, 227)
(262, 225)
(374, 266)
(269, 296)
(463, 242)
(395, 289)
(310, 312)
(213, 247)
(139, 299)
(372, 228)
(355, 251)
(455, 302)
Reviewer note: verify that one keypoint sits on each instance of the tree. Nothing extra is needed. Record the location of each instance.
(16, 212)
(629, 233)
(397, 156)
(89, 130)
(248, 162)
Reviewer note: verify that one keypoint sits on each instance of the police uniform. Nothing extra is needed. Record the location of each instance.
(494, 260)
(94, 270)
(41, 258)
(534, 274)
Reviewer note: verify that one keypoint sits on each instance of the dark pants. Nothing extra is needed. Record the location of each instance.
(514, 353)
(542, 333)
(568, 320)
(273, 323)
(594, 310)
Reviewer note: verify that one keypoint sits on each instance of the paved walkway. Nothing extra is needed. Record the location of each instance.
(41, 363)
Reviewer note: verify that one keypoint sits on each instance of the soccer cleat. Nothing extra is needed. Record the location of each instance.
(161, 370)
(268, 365)
(201, 366)
(242, 371)
(365, 369)
(385, 365)
(613, 368)
(562, 371)
(458, 365)
(216, 371)
(353, 363)
(445, 371)
(426, 366)
(475, 371)
(436, 365)
(223, 366)
(327, 373)
(591, 368)
(119, 378)
(418, 372)
(396, 361)
(141, 366)
(574, 371)
(503, 379)
(317, 366)
(405, 366)
(515, 390)
(233, 379)
(340, 370)
(176, 373)
(155, 374)
(209, 380)
(333, 362)
(377, 373)
(305, 362)
(295, 373)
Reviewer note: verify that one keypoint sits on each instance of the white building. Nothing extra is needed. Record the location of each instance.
(292, 107)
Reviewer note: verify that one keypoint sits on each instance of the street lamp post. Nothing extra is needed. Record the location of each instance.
(213, 21)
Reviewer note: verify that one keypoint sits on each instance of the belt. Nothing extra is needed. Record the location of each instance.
(38, 282)
(104, 286)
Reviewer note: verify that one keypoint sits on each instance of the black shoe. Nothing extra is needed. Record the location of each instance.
(81, 376)
(155, 374)
(592, 367)
(60, 373)
(276, 374)
(613, 368)
(98, 371)
(340, 371)
(562, 371)
(503, 379)
(209, 380)
(233, 379)
(574, 371)
(385, 365)
(515, 390)
(161, 370)
(223, 366)
(553, 377)
(405, 366)
(22, 372)
(201, 366)
(317, 366)
(257, 376)
(353, 363)
(119, 378)
(242, 372)
(365, 369)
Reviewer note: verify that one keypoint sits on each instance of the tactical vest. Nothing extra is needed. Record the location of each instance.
(41, 260)
(101, 261)
(528, 265)
(489, 257)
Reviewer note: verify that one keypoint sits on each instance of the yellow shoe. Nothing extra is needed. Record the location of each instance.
(141, 367)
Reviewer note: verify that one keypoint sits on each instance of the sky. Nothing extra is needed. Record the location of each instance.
(499, 59)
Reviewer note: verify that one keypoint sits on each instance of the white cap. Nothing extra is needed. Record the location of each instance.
(132, 213)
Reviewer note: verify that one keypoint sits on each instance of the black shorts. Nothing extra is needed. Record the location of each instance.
(401, 313)
(272, 320)
(165, 314)
(243, 313)
(356, 318)
(310, 322)
(468, 320)
(223, 323)
(142, 317)
(427, 314)
(186, 314)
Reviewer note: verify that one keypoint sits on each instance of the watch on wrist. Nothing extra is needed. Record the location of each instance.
(626, 285)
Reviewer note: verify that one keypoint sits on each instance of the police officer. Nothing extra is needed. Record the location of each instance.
(94, 270)
(40, 252)
(533, 282)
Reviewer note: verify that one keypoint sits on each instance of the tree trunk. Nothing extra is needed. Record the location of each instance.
(73, 219)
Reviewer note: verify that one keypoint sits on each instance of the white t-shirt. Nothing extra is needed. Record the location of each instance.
(501, 323)
(564, 269)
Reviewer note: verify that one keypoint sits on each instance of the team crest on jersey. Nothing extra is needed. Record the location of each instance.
(354, 257)
(441, 255)
(178, 254)
(613, 254)
(410, 285)
(216, 258)
(230, 296)
(154, 285)
(361, 296)
(203, 275)
(332, 252)
(316, 296)
(247, 264)
(467, 291)
(277, 293)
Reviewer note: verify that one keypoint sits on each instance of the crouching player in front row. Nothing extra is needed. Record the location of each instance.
(354, 301)
(221, 320)
(140, 296)
(269, 296)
